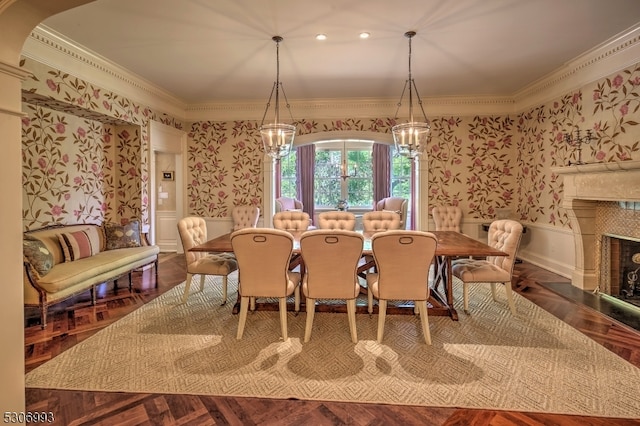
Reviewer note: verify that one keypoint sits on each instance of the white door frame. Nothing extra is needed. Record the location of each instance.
(167, 139)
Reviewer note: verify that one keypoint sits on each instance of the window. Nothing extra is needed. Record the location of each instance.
(330, 187)
(288, 175)
(400, 176)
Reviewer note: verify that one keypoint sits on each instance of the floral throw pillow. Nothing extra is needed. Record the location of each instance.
(122, 236)
(38, 255)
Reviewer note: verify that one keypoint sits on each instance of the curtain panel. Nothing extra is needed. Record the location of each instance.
(305, 170)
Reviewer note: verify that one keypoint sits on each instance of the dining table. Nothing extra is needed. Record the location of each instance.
(451, 245)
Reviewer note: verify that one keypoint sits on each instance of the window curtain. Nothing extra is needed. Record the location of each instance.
(278, 183)
(381, 158)
(305, 169)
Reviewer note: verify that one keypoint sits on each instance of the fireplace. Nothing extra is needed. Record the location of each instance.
(602, 200)
(620, 271)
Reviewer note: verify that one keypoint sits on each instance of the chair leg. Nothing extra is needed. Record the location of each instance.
(493, 292)
(224, 290)
(370, 301)
(382, 313)
(311, 310)
(512, 305)
(187, 285)
(424, 319)
(201, 282)
(252, 300)
(244, 307)
(283, 317)
(351, 312)
(296, 298)
(465, 296)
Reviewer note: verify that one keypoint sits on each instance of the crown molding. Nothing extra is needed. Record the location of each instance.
(613, 55)
(51, 48)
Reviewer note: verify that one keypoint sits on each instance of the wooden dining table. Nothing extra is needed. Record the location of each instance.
(450, 245)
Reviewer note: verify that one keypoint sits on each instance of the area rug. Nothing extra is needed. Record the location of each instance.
(488, 359)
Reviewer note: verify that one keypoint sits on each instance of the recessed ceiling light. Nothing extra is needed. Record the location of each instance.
(364, 34)
(321, 36)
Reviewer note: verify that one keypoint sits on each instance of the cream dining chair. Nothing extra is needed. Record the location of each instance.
(331, 261)
(263, 270)
(337, 220)
(504, 235)
(447, 218)
(403, 259)
(377, 221)
(292, 221)
(245, 216)
(193, 231)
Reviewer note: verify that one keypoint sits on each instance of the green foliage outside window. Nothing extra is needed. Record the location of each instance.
(330, 188)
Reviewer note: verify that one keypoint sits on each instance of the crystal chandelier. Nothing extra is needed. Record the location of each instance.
(277, 137)
(411, 138)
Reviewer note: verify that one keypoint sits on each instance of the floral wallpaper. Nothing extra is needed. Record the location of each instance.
(85, 151)
(481, 163)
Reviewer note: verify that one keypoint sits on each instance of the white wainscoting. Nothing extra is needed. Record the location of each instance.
(166, 231)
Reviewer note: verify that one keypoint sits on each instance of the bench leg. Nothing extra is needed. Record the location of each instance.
(43, 315)
(130, 281)
(155, 267)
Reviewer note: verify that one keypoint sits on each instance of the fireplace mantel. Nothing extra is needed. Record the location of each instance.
(583, 186)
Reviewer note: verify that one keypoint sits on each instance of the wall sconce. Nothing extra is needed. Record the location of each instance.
(577, 142)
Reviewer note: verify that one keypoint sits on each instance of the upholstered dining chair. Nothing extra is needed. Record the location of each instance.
(337, 220)
(284, 204)
(292, 221)
(263, 270)
(395, 204)
(377, 221)
(245, 216)
(504, 235)
(331, 259)
(193, 231)
(403, 259)
(447, 218)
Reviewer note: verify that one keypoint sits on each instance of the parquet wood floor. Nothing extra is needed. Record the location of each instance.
(75, 320)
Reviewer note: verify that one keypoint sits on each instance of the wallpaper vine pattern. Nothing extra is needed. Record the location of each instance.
(480, 163)
(70, 97)
(490, 169)
(445, 157)
(66, 169)
(531, 158)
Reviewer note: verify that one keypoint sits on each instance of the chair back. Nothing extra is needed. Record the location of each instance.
(292, 221)
(263, 256)
(403, 259)
(192, 231)
(337, 220)
(331, 259)
(447, 218)
(245, 217)
(396, 204)
(505, 235)
(284, 204)
(377, 221)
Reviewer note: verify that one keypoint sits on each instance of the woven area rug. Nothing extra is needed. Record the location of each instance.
(489, 359)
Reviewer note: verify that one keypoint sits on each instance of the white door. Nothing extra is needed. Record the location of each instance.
(168, 156)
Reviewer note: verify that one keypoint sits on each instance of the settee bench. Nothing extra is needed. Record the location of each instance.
(61, 261)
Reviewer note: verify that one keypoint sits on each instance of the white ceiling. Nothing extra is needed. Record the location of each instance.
(221, 50)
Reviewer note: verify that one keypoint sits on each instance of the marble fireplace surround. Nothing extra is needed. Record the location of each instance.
(584, 186)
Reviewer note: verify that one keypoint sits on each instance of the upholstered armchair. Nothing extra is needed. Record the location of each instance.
(378, 221)
(245, 217)
(337, 220)
(291, 221)
(284, 204)
(395, 204)
(447, 218)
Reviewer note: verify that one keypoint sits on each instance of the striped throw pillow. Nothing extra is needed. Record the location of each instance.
(79, 244)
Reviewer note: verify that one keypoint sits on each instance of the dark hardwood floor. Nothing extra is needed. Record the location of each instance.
(75, 320)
